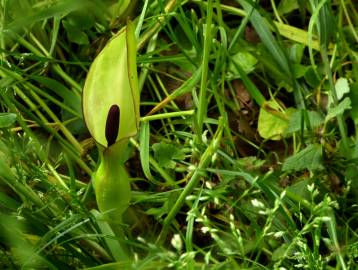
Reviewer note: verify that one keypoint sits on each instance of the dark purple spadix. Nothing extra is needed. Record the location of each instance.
(112, 124)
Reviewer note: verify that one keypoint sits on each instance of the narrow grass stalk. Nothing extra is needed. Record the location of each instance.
(349, 21)
(204, 75)
(141, 19)
(325, 25)
(340, 120)
(190, 225)
(186, 87)
(144, 137)
(166, 115)
(223, 113)
(56, 67)
(147, 35)
(39, 100)
(331, 227)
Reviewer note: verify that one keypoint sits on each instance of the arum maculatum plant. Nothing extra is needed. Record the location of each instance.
(111, 113)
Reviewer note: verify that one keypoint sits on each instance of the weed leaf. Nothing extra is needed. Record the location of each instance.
(165, 154)
(309, 158)
(345, 104)
(7, 119)
(271, 126)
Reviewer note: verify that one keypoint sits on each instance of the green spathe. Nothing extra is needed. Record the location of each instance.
(111, 112)
(112, 80)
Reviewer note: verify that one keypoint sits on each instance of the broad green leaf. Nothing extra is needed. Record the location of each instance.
(7, 119)
(167, 154)
(311, 78)
(286, 6)
(300, 188)
(297, 35)
(345, 104)
(342, 87)
(112, 84)
(296, 120)
(121, 8)
(309, 158)
(81, 19)
(271, 126)
(74, 34)
(157, 212)
(246, 61)
(76, 23)
(296, 52)
(353, 94)
(250, 163)
(299, 70)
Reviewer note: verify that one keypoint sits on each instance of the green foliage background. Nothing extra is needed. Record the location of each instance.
(247, 157)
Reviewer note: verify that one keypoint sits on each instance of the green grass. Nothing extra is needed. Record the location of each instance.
(247, 155)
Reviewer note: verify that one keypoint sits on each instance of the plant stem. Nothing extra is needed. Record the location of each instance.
(204, 75)
(340, 120)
